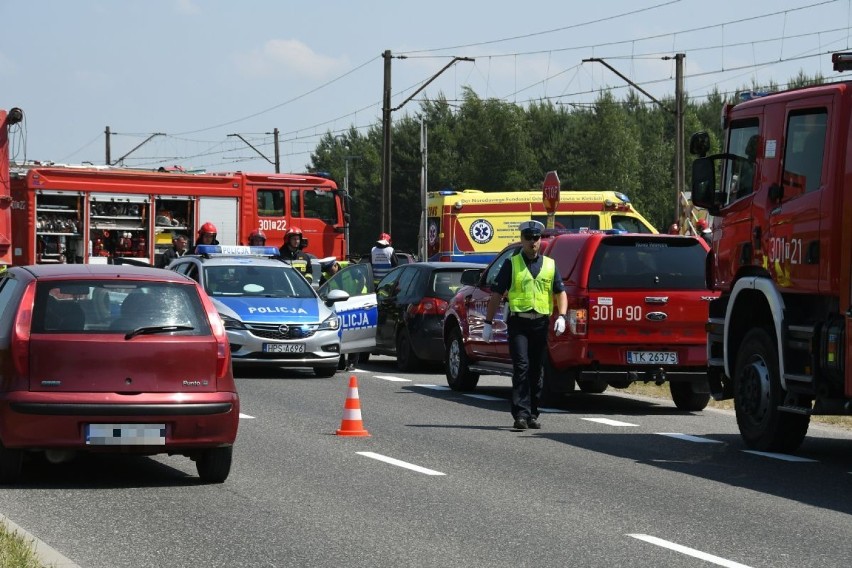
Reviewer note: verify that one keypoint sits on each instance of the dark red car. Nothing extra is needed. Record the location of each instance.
(107, 358)
(637, 306)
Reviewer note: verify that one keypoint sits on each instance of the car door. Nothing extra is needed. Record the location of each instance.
(358, 314)
(395, 304)
(476, 305)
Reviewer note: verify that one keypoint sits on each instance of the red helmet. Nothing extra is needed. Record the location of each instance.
(207, 227)
(257, 235)
(384, 238)
(701, 224)
(293, 231)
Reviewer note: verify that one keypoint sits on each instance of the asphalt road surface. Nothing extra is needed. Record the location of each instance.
(443, 481)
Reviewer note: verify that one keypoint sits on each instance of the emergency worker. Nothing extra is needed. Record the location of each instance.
(177, 250)
(206, 235)
(329, 269)
(532, 283)
(257, 239)
(382, 257)
(704, 230)
(291, 251)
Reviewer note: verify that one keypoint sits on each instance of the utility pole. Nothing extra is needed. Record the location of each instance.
(107, 136)
(121, 159)
(277, 152)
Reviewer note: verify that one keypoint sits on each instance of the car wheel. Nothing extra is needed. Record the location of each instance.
(555, 383)
(214, 465)
(10, 464)
(406, 360)
(592, 386)
(341, 363)
(758, 394)
(459, 376)
(687, 398)
(364, 357)
(325, 372)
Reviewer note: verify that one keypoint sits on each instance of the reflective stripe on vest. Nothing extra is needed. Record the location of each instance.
(527, 293)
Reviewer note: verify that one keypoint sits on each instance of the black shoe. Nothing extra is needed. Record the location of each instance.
(520, 424)
(534, 424)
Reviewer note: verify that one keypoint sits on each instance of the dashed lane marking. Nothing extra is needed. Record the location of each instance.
(433, 387)
(783, 457)
(609, 422)
(245, 416)
(392, 378)
(400, 463)
(689, 438)
(689, 551)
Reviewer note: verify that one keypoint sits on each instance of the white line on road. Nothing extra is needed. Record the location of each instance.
(553, 410)
(399, 463)
(609, 422)
(245, 415)
(783, 457)
(433, 387)
(486, 397)
(689, 438)
(392, 378)
(689, 551)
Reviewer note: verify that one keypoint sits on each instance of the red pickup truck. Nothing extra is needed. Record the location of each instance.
(637, 306)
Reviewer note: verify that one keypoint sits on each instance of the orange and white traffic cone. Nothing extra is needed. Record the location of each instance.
(351, 425)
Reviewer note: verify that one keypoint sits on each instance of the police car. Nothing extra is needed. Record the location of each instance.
(271, 313)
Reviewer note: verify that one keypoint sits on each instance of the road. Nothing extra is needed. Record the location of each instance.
(609, 480)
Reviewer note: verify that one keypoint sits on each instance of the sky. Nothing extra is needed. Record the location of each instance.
(195, 73)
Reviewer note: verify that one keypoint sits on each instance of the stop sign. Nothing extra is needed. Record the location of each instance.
(550, 192)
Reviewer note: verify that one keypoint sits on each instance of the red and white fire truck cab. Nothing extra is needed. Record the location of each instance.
(7, 120)
(779, 334)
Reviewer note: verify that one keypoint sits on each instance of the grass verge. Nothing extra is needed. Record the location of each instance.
(15, 550)
(662, 391)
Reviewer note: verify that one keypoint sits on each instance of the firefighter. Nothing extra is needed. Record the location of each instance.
(291, 251)
(206, 235)
(257, 239)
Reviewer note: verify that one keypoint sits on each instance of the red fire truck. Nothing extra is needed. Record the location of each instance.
(779, 335)
(7, 119)
(98, 214)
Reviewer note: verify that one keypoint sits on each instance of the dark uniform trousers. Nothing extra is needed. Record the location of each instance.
(528, 348)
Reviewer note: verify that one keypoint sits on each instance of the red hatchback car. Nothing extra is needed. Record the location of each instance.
(637, 306)
(97, 358)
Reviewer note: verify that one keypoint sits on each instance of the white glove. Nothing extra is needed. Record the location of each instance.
(559, 325)
(487, 332)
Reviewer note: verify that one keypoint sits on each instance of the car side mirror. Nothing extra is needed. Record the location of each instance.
(471, 276)
(336, 296)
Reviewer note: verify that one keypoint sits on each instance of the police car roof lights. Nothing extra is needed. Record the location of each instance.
(231, 250)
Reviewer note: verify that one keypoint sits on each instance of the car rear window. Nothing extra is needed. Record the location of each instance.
(629, 262)
(116, 307)
(445, 283)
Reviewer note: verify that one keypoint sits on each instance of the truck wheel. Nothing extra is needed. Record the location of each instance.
(10, 464)
(459, 377)
(686, 398)
(214, 465)
(406, 359)
(592, 386)
(758, 394)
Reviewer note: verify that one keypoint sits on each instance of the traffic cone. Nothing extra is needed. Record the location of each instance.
(351, 425)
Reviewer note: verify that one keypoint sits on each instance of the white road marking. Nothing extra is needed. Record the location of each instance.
(246, 416)
(392, 378)
(609, 422)
(399, 463)
(689, 551)
(689, 438)
(485, 397)
(433, 387)
(783, 457)
(553, 410)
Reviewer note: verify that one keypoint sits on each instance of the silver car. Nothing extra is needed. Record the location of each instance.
(272, 315)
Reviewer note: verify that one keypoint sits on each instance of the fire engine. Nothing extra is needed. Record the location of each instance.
(778, 336)
(101, 214)
(7, 119)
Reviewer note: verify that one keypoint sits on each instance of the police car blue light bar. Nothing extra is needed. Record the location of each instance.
(231, 250)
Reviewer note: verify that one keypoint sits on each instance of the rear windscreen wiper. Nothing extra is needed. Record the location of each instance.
(148, 330)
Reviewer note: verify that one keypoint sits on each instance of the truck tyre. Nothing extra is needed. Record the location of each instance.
(592, 386)
(214, 465)
(10, 465)
(406, 359)
(687, 398)
(459, 376)
(758, 394)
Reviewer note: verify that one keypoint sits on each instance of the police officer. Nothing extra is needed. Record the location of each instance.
(532, 283)
(291, 251)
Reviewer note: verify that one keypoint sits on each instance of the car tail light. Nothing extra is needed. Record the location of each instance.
(578, 315)
(20, 343)
(223, 348)
(429, 306)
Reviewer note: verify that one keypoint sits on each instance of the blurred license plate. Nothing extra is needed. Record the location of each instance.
(126, 434)
(652, 358)
(283, 347)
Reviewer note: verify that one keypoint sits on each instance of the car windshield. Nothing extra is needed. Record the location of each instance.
(626, 262)
(252, 280)
(111, 306)
(445, 283)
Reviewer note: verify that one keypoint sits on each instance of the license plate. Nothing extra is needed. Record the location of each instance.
(283, 347)
(652, 357)
(126, 434)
